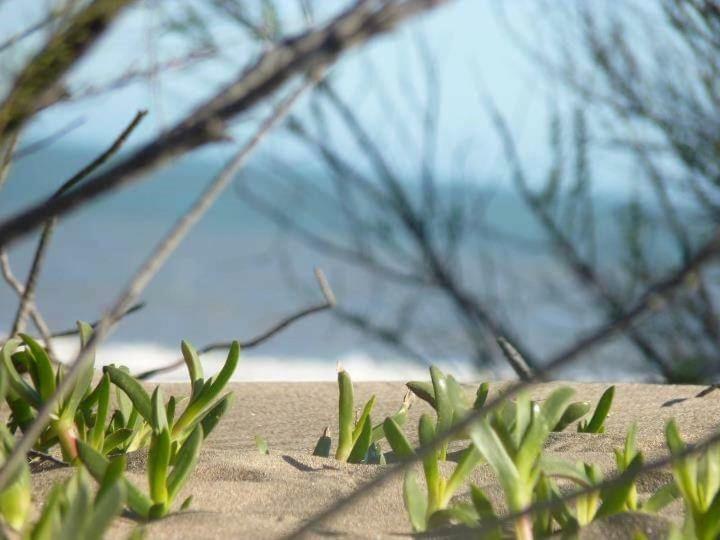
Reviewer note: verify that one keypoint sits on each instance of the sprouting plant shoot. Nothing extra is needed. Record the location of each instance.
(596, 424)
(168, 466)
(358, 439)
(697, 478)
(205, 406)
(72, 511)
(262, 445)
(513, 446)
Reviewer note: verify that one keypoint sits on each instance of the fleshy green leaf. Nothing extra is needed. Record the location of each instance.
(345, 415)
(361, 446)
(97, 434)
(423, 390)
(397, 440)
(192, 361)
(44, 369)
(596, 423)
(157, 466)
(185, 462)
(573, 413)
(360, 425)
(133, 389)
(415, 502)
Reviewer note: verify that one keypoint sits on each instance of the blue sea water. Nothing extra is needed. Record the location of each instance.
(236, 273)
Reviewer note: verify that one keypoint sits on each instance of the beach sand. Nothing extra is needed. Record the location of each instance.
(239, 493)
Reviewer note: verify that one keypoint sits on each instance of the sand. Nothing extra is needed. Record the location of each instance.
(239, 493)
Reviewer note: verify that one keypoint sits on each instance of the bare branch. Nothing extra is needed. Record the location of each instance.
(60, 54)
(19, 289)
(307, 52)
(329, 303)
(74, 331)
(514, 358)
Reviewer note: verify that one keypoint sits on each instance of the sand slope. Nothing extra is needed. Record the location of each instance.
(239, 493)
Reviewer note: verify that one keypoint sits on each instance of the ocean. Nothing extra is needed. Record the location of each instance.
(237, 273)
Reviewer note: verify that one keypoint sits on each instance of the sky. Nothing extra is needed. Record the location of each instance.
(473, 53)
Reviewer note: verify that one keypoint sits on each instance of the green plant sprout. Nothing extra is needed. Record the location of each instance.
(71, 511)
(697, 479)
(450, 402)
(596, 424)
(513, 446)
(616, 499)
(358, 439)
(167, 471)
(433, 508)
(81, 416)
(262, 445)
(15, 499)
(205, 406)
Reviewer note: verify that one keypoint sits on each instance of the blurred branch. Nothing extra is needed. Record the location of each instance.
(74, 331)
(49, 228)
(329, 303)
(61, 52)
(19, 289)
(581, 269)
(307, 52)
(44, 142)
(134, 75)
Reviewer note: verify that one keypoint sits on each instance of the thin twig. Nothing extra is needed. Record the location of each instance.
(48, 140)
(329, 303)
(305, 53)
(19, 288)
(514, 358)
(74, 331)
(652, 299)
(138, 283)
(49, 228)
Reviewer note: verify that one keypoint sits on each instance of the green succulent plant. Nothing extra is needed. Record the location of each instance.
(205, 405)
(434, 506)
(72, 511)
(596, 424)
(167, 470)
(15, 499)
(82, 415)
(358, 439)
(697, 479)
(511, 441)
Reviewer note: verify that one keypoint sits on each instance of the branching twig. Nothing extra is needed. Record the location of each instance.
(49, 228)
(137, 284)
(74, 331)
(19, 289)
(329, 303)
(653, 298)
(307, 52)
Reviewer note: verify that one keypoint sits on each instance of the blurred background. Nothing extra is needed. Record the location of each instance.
(522, 169)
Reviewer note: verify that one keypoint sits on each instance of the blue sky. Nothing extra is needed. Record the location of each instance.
(473, 52)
